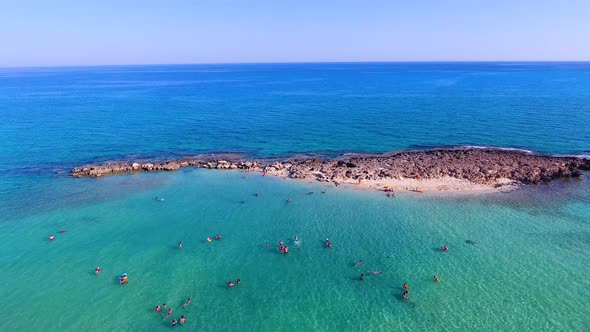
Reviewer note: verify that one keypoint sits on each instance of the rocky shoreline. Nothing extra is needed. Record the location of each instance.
(490, 167)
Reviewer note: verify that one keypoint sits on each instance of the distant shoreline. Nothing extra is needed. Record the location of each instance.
(467, 169)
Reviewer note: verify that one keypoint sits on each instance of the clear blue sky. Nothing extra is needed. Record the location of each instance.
(79, 32)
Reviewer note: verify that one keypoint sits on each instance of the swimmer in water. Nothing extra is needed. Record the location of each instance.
(296, 239)
(267, 244)
(230, 284)
(180, 245)
(164, 305)
(174, 322)
(97, 270)
(243, 201)
(362, 276)
(280, 242)
(217, 237)
(376, 272)
(324, 191)
(158, 308)
(168, 314)
(256, 194)
(51, 237)
(406, 295)
(436, 279)
(189, 301)
(405, 286)
(182, 320)
(359, 262)
(238, 281)
(289, 200)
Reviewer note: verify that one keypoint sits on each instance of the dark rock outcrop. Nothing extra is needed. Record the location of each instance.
(482, 166)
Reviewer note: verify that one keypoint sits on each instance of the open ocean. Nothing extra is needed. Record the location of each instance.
(528, 270)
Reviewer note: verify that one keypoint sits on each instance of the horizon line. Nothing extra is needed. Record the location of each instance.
(292, 62)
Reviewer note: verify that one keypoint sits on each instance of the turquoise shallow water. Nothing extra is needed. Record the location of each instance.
(528, 270)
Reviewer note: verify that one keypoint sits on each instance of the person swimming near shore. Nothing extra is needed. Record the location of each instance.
(286, 250)
(323, 191)
(405, 286)
(238, 281)
(328, 243)
(444, 248)
(267, 244)
(180, 245)
(158, 308)
(281, 248)
(159, 199)
(174, 322)
(168, 314)
(182, 320)
(289, 200)
(244, 201)
(97, 270)
(164, 305)
(188, 301)
(359, 262)
(51, 237)
(217, 237)
(230, 284)
(256, 194)
(362, 276)
(376, 272)
(280, 242)
(406, 295)
(436, 279)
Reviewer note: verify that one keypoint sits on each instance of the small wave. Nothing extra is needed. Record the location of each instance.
(484, 147)
(582, 155)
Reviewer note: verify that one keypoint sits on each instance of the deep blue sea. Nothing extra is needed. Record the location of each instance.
(528, 272)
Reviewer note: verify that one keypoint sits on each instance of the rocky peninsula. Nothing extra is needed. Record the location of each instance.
(423, 170)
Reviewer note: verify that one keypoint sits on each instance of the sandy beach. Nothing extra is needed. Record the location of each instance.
(445, 184)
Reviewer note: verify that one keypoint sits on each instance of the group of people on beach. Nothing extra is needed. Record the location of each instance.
(174, 322)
